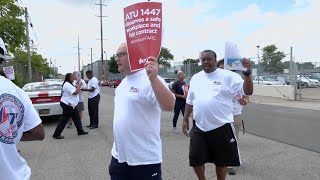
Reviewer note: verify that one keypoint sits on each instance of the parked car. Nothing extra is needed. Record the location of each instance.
(45, 97)
(266, 81)
(169, 82)
(114, 83)
(313, 76)
(308, 82)
(53, 80)
(104, 83)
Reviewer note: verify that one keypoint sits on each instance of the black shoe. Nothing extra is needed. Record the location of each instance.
(231, 171)
(58, 137)
(93, 127)
(88, 126)
(82, 133)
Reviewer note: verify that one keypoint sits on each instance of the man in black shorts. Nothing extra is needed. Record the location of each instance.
(212, 137)
(177, 90)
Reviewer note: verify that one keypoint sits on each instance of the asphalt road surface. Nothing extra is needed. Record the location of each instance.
(87, 157)
(293, 126)
(298, 127)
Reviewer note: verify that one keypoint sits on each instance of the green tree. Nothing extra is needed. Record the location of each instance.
(113, 67)
(38, 64)
(164, 57)
(12, 29)
(194, 67)
(272, 59)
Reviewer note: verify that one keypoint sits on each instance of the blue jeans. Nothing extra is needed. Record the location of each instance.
(122, 171)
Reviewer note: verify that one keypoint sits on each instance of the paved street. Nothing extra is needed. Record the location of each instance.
(87, 157)
(299, 127)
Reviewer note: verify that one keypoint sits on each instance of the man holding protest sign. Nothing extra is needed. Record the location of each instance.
(212, 137)
(139, 100)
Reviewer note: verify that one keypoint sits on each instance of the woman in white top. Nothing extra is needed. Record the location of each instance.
(69, 102)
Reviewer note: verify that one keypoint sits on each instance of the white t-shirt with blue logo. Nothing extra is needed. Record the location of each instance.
(211, 95)
(136, 121)
(17, 115)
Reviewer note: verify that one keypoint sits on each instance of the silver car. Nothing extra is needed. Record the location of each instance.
(45, 97)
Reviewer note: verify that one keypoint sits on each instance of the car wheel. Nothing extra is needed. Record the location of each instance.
(305, 84)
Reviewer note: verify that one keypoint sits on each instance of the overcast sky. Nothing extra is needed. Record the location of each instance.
(189, 27)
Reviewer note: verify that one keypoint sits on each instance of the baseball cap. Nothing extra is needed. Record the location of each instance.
(3, 51)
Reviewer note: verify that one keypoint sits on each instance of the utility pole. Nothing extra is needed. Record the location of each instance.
(101, 37)
(258, 67)
(291, 71)
(190, 68)
(78, 54)
(91, 61)
(28, 44)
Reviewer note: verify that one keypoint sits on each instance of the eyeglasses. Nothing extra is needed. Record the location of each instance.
(120, 54)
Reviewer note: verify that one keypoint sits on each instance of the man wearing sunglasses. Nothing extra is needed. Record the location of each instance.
(210, 98)
(19, 121)
(138, 102)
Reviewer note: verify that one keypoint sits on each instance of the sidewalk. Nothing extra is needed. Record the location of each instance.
(301, 104)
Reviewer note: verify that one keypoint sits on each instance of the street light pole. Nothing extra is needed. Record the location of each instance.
(258, 67)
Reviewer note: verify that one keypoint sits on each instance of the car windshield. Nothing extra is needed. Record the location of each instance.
(266, 79)
(42, 87)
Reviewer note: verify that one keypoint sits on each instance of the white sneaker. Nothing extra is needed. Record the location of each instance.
(175, 130)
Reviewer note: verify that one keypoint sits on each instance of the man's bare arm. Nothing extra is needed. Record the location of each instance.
(163, 95)
(34, 134)
(185, 124)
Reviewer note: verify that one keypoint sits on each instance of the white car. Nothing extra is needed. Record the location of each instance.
(265, 81)
(309, 82)
(169, 82)
(45, 97)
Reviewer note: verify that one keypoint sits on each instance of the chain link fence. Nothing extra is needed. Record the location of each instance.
(305, 76)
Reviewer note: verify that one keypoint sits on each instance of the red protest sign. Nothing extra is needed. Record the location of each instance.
(143, 27)
(185, 89)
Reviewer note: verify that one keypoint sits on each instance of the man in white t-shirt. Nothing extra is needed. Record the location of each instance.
(138, 102)
(93, 99)
(19, 121)
(80, 105)
(212, 138)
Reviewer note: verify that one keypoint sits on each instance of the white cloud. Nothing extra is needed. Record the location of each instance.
(187, 30)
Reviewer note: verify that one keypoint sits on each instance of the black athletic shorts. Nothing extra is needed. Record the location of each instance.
(122, 171)
(218, 146)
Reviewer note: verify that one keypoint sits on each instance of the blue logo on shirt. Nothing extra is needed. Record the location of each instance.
(11, 117)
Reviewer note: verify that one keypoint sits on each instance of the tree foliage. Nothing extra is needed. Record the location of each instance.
(12, 29)
(272, 59)
(38, 63)
(164, 57)
(112, 65)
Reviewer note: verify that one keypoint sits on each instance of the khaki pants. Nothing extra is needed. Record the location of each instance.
(237, 124)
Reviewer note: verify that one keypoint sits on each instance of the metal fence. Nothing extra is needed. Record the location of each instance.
(305, 76)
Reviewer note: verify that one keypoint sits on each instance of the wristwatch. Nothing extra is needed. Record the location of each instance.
(247, 72)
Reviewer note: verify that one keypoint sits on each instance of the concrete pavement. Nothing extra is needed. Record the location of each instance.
(87, 157)
(300, 104)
